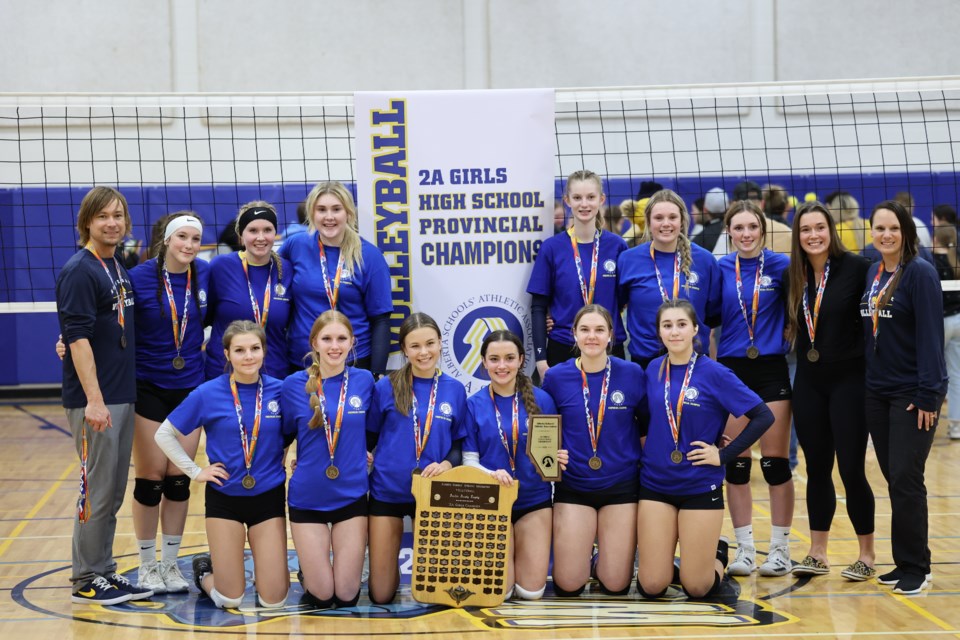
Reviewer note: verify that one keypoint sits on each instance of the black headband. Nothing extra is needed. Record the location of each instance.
(255, 213)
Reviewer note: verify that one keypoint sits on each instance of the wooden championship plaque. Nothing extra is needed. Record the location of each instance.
(461, 538)
(543, 442)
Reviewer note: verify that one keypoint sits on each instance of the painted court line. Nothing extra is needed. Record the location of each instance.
(36, 509)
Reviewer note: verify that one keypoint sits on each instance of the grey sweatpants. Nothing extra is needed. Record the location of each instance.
(108, 464)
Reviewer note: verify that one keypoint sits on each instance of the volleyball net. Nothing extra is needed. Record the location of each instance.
(212, 153)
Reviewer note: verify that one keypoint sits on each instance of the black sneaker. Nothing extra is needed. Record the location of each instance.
(136, 593)
(201, 567)
(910, 585)
(99, 591)
(893, 577)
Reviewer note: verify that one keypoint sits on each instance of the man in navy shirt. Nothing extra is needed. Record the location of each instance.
(95, 310)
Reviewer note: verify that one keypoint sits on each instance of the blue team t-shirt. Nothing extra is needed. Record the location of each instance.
(483, 437)
(211, 406)
(771, 308)
(714, 393)
(555, 275)
(619, 444)
(310, 488)
(87, 309)
(640, 291)
(395, 457)
(365, 291)
(229, 299)
(155, 347)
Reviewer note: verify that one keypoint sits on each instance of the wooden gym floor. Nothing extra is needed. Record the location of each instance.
(38, 487)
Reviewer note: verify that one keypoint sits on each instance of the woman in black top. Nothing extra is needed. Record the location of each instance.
(902, 312)
(825, 285)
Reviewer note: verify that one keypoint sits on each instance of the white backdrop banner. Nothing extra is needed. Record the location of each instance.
(456, 188)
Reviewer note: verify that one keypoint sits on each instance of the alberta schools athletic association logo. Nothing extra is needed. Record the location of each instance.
(465, 327)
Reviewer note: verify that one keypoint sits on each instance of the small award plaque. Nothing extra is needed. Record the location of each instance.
(543, 442)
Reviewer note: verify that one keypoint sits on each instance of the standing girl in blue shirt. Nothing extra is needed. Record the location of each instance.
(753, 346)
(416, 425)
(334, 268)
(596, 395)
(664, 267)
(253, 284)
(326, 408)
(240, 415)
(496, 442)
(902, 311)
(574, 268)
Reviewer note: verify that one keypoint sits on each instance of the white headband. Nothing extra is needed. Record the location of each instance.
(178, 223)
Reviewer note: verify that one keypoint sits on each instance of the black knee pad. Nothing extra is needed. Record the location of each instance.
(723, 552)
(649, 596)
(176, 488)
(775, 470)
(147, 492)
(342, 604)
(610, 592)
(562, 593)
(312, 600)
(710, 592)
(738, 470)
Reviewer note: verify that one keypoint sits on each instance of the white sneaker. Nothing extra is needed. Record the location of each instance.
(173, 579)
(777, 562)
(148, 577)
(745, 562)
(954, 431)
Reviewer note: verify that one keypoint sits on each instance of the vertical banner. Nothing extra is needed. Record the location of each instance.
(456, 189)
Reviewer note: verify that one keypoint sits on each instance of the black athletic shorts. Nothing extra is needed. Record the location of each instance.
(156, 403)
(709, 500)
(623, 493)
(248, 510)
(333, 516)
(767, 376)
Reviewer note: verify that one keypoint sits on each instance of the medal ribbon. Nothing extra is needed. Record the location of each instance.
(83, 502)
(179, 332)
(248, 449)
(675, 421)
(585, 291)
(117, 287)
(873, 301)
(257, 317)
(812, 322)
(334, 291)
(755, 304)
(601, 409)
(515, 429)
(418, 440)
(334, 437)
(676, 274)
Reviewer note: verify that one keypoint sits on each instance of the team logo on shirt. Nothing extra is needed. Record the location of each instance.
(355, 402)
(472, 320)
(202, 295)
(610, 266)
(445, 408)
(279, 289)
(617, 397)
(691, 394)
(273, 406)
(694, 278)
(766, 281)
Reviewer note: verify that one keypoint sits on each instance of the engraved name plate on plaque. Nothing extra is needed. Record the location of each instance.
(543, 442)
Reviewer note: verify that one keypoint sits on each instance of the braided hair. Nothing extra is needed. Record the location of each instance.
(524, 386)
(313, 369)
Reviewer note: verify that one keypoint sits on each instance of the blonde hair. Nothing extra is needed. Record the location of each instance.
(585, 175)
(314, 381)
(683, 242)
(350, 248)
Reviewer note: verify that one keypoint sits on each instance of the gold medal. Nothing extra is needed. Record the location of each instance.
(332, 472)
(676, 457)
(595, 462)
(813, 355)
(178, 363)
(248, 482)
(753, 352)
